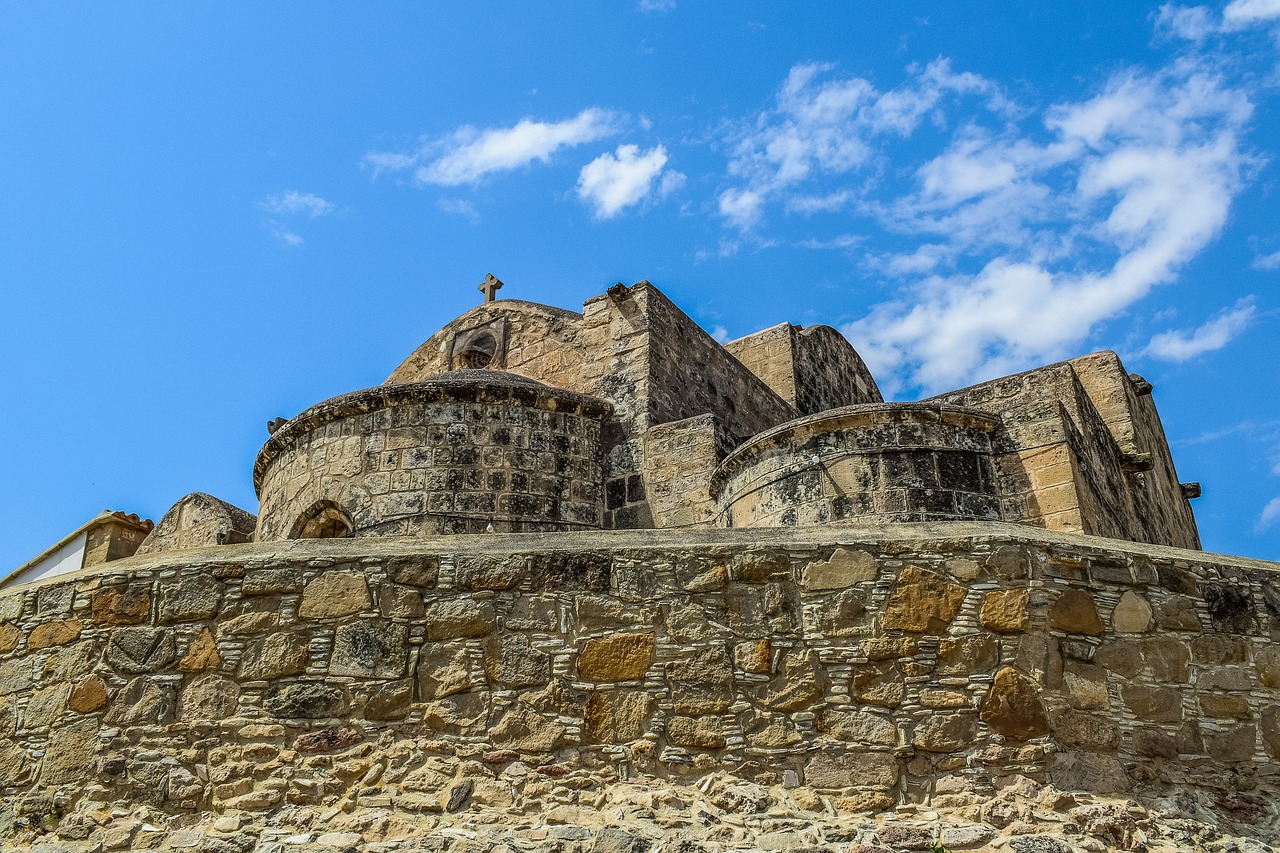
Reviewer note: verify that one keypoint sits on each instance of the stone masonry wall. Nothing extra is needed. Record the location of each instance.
(417, 674)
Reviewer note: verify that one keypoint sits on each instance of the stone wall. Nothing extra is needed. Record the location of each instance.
(886, 462)
(453, 454)
(878, 669)
(813, 369)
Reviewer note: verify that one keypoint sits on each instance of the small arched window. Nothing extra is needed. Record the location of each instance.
(478, 352)
(323, 520)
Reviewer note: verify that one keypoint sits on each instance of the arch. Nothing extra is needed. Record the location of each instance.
(323, 520)
(478, 352)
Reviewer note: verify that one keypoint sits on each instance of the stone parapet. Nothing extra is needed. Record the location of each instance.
(886, 668)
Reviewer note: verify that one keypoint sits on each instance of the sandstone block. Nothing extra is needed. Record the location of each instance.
(1225, 707)
(844, 568)
(390, 702)
(622, 657)
(201, 655)
(459, 618)
(1168, 658)
(701, 682)
(852, 769)
(328, 740)
(968, 653)
(1267, 663)
(511, 661)
(415, 571)
(1005, 610)
(143, 700)
(1074, 612)
(88, 695)
(270, 581)
(1153, 704)
(15, 676)
(1270, 727)
(1088, 732)
(1089, 771)
(933, 697)
(1214, 649)
(274, 656)
(56, 633)
(465, 714)
(114, 606)
(1013, 707)
(45, 706)
(1133, 615)
(484, 572)
(922, 602)
(1087, 685)
(618, 716)
(400, 602)
(1123, 657)
(192, 597)
(208, 697)
(523, 729)
(70, 753)
(843, 614)
(443, 670)
(1009, 561)
(306, 700)
(1233, 747)
(334, 594)
(759, 610)
(9, 637)
(136, 650)
(753, 656)
(800, 682)
(14, 765)
(879, 684)
(696, 732)
(1177, 613)
(372, 649)
(945, 732)
(859, 727)
(534, 613)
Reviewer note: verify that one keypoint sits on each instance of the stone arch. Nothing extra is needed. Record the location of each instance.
(323, 520)
(478, 352)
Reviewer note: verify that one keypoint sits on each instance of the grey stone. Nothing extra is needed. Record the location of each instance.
(138, 650)
(370, 649)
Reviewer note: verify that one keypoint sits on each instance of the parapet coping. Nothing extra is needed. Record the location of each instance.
(862, 414)
(957, 536)
(468, 386)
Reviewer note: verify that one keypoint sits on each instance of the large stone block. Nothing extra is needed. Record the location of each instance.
(852, 769)
(136, 650)
(1153, 704)
(922, 602)
(859, 727)
(459, 618)
(696, 732)
(701, 682)
(443, 669)
(1075, 612)
(370, 649)
(192, 597)
(1005, 610)
(201, 655)
(121, 606)
(1132, 615)
(510, 660)
(1013, 707)
(1089, 732)
(274, 656)
(618, 716)
(334, 594)
(307, 700)
(70, 754)
(945, 732)
(59, 632)
(799, 683)
(208, 697)
(843, 568)
(144, 700)
(622, 657)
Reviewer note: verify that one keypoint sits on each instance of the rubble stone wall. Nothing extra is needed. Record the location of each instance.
(913, 667)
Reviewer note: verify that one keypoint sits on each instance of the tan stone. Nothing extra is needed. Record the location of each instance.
(9, 637)
(334, 594)
(1168, 658)
(201, 655)
(1087, 685)
(45, 706)
(1013, 707)
(922, 602)
(443, 670)
(617, 716)
(1074, 612)
(1091, 732)
(1225, 707)
(70, 755)
(1120, 656)
(800, 682)
(879, 684)
(945, 732)
(849, 769)
(130, 606)
(864, 801)
(844, 568)
(622, 657)
(1005, 610)
(753, 656)
(525, 730)
(13, 765)
(274, 656)
(88, 695)
(967, 654)
(56, 633)
(1154, 704)
(696, 732)
(859, 727)
(460, 618)
(1267, 662)
(208, 697)
(932, 697)
(1132, 614)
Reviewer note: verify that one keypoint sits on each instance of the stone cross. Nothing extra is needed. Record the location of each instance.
(490, 287)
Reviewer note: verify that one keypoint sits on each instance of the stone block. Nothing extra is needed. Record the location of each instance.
(511, 661)
(622, 657)
(800, 682)
(70, 754)
(754, 656)
(305, 700)
(334, 594)
(59, 632)
(1132, 615)
(1168, 659)
(89, 695)
(45, 706)
(208, 697)
(143, 700)
(833, 770)
(1123, 657)
(922, 601)
(1087, 685)
(844, 568)
(1267, 663)
(1232, 747)
(1013, 708)
(967, 654)
(270, 581)
(696, 732)
(617, 716)
(274, 656)
(879, 684)
(1005, 610)
(479, 572)
(121, 606)
(1177, 613)
(1225, 707)
(201, 654)
(390, 701)
(10, 634)
(370, 649)
(443, 669)
(459, 618)
(400, 602)
(1153, 704)
(1074, 612)
(194, 597)
(701, 682)
(1088, 732)
(859, 727)
(945, 732)
(1089, 771)
(524, 729)
(137, 650)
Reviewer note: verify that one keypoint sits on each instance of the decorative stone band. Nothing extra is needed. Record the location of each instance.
(453, 454)
(888, 462)
(870, 663)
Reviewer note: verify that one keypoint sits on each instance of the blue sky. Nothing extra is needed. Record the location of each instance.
(214, 215)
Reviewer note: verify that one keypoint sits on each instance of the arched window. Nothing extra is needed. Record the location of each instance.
(324, 520)
(478, 352)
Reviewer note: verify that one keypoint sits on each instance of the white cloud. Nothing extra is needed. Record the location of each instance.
(657, 5)
(459, 207)
(1267, 262)
(1243, 13)
(286, 237)
(1193, 23)
(469, 154)
(1212, 335)
(720, 334)
(292, 202)
(1269, 516)
(612, 182)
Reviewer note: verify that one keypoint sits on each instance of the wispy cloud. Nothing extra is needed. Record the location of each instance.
(1212, 335)
(460, 207)
(657, 5)
(293, 203)
(612, 182)
(469, 154)
(288, 205)
(1246, 13)
(1196, 23)
(1267, 263)
(1269, 516)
